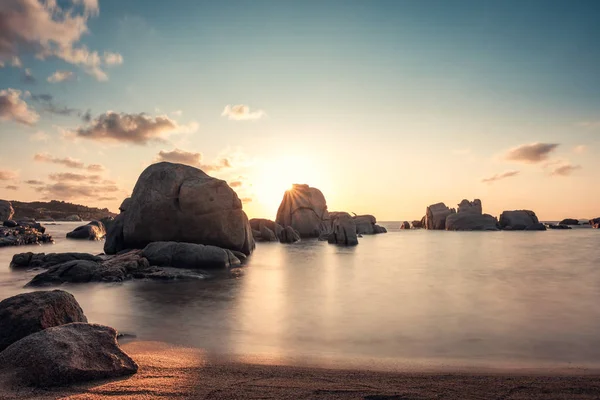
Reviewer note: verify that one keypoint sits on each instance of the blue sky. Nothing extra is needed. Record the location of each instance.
(387, 106)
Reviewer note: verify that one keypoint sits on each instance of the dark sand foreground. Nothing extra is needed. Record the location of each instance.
(176, 373)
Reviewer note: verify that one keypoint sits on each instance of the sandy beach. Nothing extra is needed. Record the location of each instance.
(179, 373)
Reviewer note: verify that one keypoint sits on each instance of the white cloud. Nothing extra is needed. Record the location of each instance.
(241, 112)
(46, 29)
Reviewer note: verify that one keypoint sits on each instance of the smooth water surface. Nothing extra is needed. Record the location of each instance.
(472, 298)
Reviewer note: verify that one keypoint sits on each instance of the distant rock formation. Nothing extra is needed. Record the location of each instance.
(176, 202)
(417, 224)
(6, 210)
(343, 230)
(265, 230)
(520, 220)
(569, 221)
(559, 226)
(405, 225)
(470, 217)
(58, 211)
(73, 217)
(303, 208)
(93, 231)
(595, 223)
(367, 225)
(435, 216)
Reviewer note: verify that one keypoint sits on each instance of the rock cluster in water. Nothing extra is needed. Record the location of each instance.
(45, 340)
(18, 233)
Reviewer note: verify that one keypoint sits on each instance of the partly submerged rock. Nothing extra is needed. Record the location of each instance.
(417, 224)
(66, 354)
(43, 260)
(405, 225)
(24, 233)
(536, 227)
(175, 202)
(466, 221)
(435, 216)
(518, 220)
(558, 226)
(289, 235)
(258, 225)
(303, 208)
(343, 230)
(595, 223)
(93, 231)
(569, 221)
(29, 313)
(10, 223)
(367, 225)
(189, 255)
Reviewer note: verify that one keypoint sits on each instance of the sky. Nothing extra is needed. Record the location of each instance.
(386, 106)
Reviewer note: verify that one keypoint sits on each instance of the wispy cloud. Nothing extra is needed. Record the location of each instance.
(61, 76)
(564, 169)
(13, 107)
(241, 112)
(11, 187)
(28, 76)
(34, 182)
(7, 175)
(138, 129)
(498, 177)
(531, 153)
(580, 149)
(67, 162)
(191, 158)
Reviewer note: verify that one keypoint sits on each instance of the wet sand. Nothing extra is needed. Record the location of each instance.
(171, 372)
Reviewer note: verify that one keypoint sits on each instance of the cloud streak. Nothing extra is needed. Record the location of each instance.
(241, 112)
(191, 158)
(61, 76)
(7, 175)
(531, 153)
(67, 162)
(501, 176)
(14, 108)
(564, 169)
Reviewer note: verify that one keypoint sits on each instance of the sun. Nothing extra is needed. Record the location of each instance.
(275, 176)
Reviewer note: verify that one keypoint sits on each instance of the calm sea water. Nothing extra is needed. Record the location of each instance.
(416, 297)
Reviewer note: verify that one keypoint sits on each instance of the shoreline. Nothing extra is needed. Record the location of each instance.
(175, 372)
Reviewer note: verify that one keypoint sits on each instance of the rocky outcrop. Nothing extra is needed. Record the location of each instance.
(569, 221)
(536, 227)
(405, 225)
(73, 217)
(66, 354)
(417, 224)
(303, 208)
(559, 226)
(289, 235)
(189, 255)
(435, 216)
(10, 223)
(470, 217)
(519, 220)
(343, 230)
(265, 230)
(175, 202)
(595, 223)
(6, 210)
(24, 233)
(92, 231)
(367, 225)
(29, 313)
(45, 261)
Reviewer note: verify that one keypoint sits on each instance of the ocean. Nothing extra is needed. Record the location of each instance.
(419, 298)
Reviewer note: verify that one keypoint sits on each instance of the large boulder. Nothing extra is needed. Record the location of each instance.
(343, 230)
(595, 223)
(175, 202)
(265, 229)
(405, 225)
(303, 208)
(189, 255)
(43, 260)
(66, 354)
(435, 216)
(470, 217)
(466, 221)
(92, 231)
(569, 221)
(29, 313)
(6, 210)
(518, 220)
